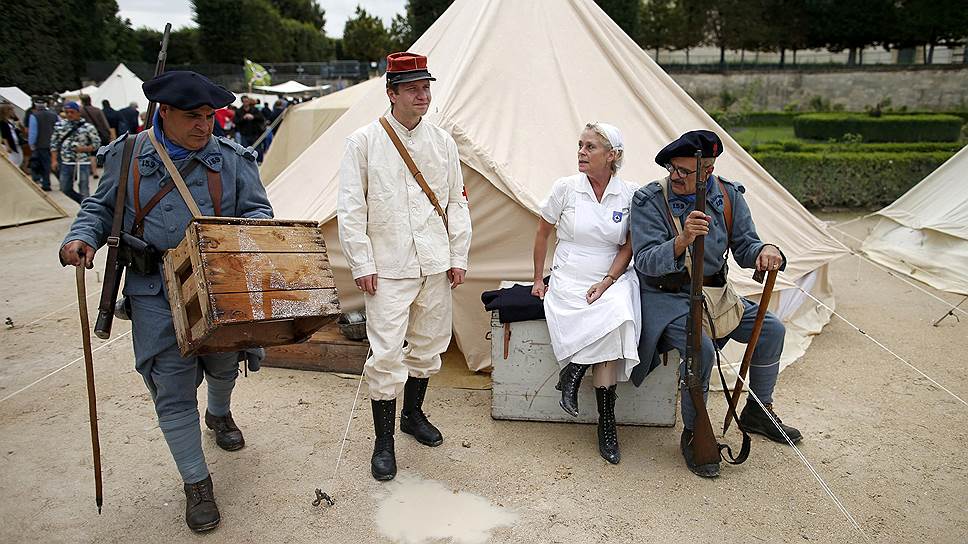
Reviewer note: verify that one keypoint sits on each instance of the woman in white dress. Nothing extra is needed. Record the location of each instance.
(592, 301)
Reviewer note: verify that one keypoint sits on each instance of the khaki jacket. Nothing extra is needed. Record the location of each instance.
(387, 225)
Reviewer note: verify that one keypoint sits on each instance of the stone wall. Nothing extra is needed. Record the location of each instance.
(942, 89)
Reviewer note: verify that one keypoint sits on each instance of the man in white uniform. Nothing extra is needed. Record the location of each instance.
(405, 251)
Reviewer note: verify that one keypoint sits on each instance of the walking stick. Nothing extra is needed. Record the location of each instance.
(754, 338)
(91, 398)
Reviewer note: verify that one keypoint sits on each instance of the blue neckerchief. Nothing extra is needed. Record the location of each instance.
(175, 151)
(688, 200)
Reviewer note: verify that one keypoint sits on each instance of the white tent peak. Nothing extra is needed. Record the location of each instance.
(120, 88)
(290, 87)
(924, 233)
(516, 82)
(19, 99)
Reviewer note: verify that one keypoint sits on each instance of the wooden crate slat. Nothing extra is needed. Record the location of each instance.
(260, 239)
(189, 290)
(239, 336)
(247, 272)
(179, 317)
(258, 306)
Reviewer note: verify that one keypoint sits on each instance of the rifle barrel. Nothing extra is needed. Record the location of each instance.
(159, 69)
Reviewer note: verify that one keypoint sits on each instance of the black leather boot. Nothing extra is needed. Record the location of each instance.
(569, 378)
(227, 433)
(201, 512)
(607, 435)
(754, 420)
(383, 464)
(412, 419)
(710, 470)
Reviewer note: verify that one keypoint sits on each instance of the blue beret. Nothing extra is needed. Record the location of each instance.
(186, 90)
(687, 145)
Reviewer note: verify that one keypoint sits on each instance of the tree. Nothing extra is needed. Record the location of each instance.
(789, 31)
(232, 30)
(304, 11)
(852, 24)
(659, 22)
(43, 66)
(364, 37)
(423, 13)
(401, 33)
(919, 22)
(625, 13)
(304, 43)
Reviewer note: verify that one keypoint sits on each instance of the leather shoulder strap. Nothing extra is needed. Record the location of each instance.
(408, 160)
(727, 212)
(118, 221)
(175, 176)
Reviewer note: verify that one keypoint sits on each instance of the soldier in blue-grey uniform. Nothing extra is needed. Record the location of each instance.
(183, 125)
(659, 254)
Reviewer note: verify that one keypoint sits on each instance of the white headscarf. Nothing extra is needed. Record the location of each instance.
(613, 134)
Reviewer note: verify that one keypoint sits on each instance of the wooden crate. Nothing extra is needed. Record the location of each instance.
(238, 283)
(326, 351)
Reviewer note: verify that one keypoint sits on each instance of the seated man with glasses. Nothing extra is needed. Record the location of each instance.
(664, 224)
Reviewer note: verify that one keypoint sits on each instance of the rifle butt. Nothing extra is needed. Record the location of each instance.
(705, 449)
(104, 323)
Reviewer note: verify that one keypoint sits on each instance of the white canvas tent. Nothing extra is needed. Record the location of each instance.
(121, 88)
(19, 99)
(76, 95)
(305, 122)
(290, 87)
(924, 234)
(21, 201)
(516, 82)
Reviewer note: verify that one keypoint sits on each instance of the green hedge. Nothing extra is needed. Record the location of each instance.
(892, 147)
(756, 118)
(849, 180)
(886, 128)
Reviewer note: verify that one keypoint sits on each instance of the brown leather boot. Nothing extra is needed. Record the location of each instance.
(201, 512)
(228, 436)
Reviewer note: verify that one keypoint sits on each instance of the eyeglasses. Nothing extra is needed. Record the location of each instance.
(681, 171)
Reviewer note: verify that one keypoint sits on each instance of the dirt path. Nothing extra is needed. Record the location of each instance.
(889, 444)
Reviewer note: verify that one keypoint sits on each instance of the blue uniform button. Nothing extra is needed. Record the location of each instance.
(171, 229)
(199, 183)
(168, 207)
(162, 184)
(151, 286)
(203, 203)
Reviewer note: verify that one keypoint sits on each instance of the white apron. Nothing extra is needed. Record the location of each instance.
(607, 329)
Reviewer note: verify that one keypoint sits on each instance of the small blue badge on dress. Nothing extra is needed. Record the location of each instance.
(617, 217)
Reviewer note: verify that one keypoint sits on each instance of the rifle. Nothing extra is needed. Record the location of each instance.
(705, 448)
(113, 269)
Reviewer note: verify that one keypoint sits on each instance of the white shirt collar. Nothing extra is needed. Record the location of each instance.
(400, 128)
(614, 187)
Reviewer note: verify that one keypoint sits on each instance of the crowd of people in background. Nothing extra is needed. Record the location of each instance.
(62, 137)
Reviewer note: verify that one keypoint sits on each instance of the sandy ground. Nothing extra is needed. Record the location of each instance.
(888, 443)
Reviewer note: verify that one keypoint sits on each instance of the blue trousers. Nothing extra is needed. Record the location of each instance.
(40, 167)
(764, 366)
(173, 381)
(75, 173)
